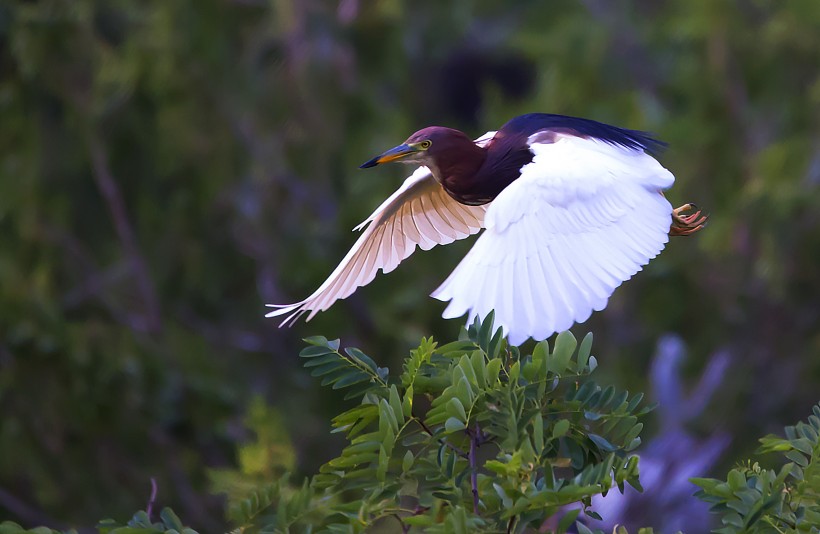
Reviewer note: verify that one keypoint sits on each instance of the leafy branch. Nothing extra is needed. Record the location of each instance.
(754, 499)
(471, 436)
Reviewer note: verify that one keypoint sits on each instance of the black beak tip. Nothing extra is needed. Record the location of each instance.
(368, 164)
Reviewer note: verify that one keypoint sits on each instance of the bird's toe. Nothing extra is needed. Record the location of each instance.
(687, 219)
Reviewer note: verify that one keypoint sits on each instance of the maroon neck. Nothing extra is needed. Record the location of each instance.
(456, 167)
(474, 175)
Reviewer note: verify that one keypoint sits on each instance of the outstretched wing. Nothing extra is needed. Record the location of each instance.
(584, 216)
(419, 214)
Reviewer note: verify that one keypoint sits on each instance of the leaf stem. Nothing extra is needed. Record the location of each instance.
(440, 440)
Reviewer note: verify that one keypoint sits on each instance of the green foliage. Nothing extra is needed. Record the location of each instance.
(343, 370)
(269, 455)
(140, 523)
(9, 527)
(758, 500)
(471, 436)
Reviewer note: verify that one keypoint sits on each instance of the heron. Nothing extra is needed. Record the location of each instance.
(570, 209)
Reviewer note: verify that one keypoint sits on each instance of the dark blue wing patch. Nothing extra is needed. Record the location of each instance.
(526, 125)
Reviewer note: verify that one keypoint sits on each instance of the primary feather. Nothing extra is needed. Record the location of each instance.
(420, 213)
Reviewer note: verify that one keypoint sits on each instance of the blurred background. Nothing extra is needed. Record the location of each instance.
(167, 168)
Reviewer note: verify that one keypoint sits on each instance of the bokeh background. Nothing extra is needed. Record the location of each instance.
(167, 167)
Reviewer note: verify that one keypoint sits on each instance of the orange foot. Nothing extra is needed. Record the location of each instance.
(687, 224)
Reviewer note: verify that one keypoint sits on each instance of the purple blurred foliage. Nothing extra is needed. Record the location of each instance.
(675, 454)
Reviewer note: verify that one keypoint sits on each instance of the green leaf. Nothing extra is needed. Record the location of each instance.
(736, 480)
(633, 433)
(593, 514)
(496, 343)
(407, 461)
(315, 351)
(486, 331)
(350, 379)
(733, 519)
(602, 443)
(560, 428)
(606, 396)
(567, 520)
(320, 341)
(540, 352)
(538, 433)
(170, 519)
(519, 506)
(453, 424)
(515, 371)
(506, 501)
(797, 458)
(396, 404)
(464, 392)
(634, 402)
(407, 402)
(456, 348)
(584, 392)
(326, 359)
(478, 364)
(456, 409)
(565, 345)
(466, 367)
(356, 354)
(584, 352)
(493, 369)
(803, 445)
(386, 413)
(381, 469)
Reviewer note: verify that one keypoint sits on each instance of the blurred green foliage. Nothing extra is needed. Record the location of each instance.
(168, 167)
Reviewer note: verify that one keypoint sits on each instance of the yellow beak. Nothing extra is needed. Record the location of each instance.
(393, 154)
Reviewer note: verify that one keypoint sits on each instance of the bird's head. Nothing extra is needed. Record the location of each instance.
(421, 148)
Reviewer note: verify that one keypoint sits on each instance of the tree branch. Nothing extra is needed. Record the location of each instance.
(96, 282)
(474, 437)
(151, 498)
(440, 440)
(24, 511)
(112, 195)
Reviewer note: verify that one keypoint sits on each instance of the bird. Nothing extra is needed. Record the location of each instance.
(570, 208)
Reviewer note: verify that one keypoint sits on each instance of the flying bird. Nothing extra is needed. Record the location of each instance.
(570, 208)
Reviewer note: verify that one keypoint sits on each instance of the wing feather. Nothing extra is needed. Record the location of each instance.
(419, 214)
(583, 217)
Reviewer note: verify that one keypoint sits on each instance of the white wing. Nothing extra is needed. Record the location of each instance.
(419, 213)
(583, 217)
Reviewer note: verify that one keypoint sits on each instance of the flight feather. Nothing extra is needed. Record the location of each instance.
(583, 217)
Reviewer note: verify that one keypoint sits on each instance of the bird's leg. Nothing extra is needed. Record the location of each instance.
(684, 222)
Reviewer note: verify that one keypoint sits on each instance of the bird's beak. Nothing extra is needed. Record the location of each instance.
(393, 154)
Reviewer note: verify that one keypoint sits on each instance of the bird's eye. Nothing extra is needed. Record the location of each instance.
(426, 144)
